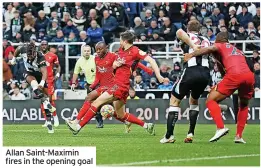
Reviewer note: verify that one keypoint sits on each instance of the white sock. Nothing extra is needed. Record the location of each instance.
(145, 125)
(78, 127)
(49, 122)
(34, 84)
(194, 107)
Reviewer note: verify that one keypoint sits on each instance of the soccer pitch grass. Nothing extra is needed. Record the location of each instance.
(114, 147)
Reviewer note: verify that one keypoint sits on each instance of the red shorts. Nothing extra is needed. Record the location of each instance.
(243, 82)
(101, 90)
(120, 92)
(50, 86)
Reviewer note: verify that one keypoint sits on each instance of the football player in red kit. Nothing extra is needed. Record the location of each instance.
(51, 61)
(118, 93)
(104, 78)
(238, 76)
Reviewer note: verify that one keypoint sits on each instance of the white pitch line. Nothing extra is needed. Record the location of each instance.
(182, 160)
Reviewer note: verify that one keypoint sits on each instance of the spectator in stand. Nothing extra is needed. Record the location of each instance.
(233, 26)
(176, 14)
(132, 94)
(48, 7)
(224, 29)
(244, 17)
(42, 22)
(118, 11)
(256, 57)
(174, 74)
(7, 48)
(142, 37)
(28, 29)
(25, 90)
(203, 15)
(250, 7)
(156, 38)
(208, 25)
(139, 28)
(153, 83)
(232, 12)
(153, 27)
(65, 19)
(161, 17)
(164, 70)
(18, 38)
(72, 48)
(78, 5)
(93, 16)
(54, 16)
(6, 32)
(62, 9)
(256, 18)
(17, 95)
(52, 31)
(167, 85)
(253, 46)
(16, 25)
(257, 76)
(16, 5)
(29, 19)
(189, 13)
(70, 28)
(61, 58)
(133, 10)
(28, 7)
(216, 16)
(59, 37)
(79, 20)
(109, 26)
(215, 76)
(41, 36)
(100, 8)
(9, 14)
(250, 27)
(168, 30)
(158, 6)
(210, 35)
(241, 35)
(95, 33)
(148, 18)
(84, 38)
(138, 83)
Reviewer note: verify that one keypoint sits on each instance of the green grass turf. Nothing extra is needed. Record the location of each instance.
(116, 147)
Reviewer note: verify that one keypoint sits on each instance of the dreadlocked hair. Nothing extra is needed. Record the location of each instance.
(31, 48)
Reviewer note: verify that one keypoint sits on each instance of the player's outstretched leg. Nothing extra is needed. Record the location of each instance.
(119, 108)
(241, 120)
(55, 117)
(44, 115)
(215, 112)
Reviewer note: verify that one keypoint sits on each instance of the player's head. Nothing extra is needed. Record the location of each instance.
(126, 38)
(194, 26)
(222, 37)
(44, 46)
(31, 51)
(86, 51)
(101, 49)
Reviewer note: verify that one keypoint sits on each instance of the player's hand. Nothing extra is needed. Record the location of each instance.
(40, 87)
(116, 64)
(196, 47)
(73, 87)
(187, 57)
(57, 76)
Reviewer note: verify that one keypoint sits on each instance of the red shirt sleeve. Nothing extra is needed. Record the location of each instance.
(139, 54)
(97, 77)
(56, 60)
(144, 68)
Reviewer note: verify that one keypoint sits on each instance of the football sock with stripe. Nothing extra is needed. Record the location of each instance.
(86, 105)
(88, 116)
(193, 116)
(171, 121)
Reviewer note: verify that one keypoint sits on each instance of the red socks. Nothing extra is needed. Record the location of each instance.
(133, 119)
(53, 104)
(241, 120)
(42, 109)
(88, 116)
(82, 112)
(215, 113)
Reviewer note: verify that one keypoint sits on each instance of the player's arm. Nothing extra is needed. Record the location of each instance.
(202, 51)
(97, 79)
(58, 67)
(77, 70)
(155, 68)
(43, 70)
(144, 68)
(183, 36)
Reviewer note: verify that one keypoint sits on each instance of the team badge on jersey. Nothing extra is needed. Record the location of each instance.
(142, 52)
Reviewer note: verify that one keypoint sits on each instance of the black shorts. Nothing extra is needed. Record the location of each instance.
(37, 75)
(194, 79)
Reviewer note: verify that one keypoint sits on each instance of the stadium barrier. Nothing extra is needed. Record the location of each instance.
(29, 112)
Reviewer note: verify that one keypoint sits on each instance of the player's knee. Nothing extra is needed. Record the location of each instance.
(120, 115)
(243, 103)
(174, 101)
(193, 101)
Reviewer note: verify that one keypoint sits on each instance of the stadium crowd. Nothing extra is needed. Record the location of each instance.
(94, 22)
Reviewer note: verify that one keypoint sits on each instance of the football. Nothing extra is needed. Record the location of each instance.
(107, 111)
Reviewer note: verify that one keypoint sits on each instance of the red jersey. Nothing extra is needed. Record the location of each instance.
(127, 58)
(104, 70)
(51, 59)
(232, 58)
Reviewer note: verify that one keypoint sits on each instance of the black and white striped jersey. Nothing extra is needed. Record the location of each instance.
(32, 65)
(196, 61)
